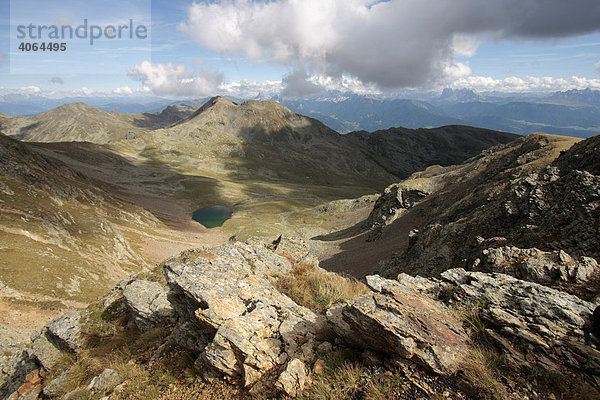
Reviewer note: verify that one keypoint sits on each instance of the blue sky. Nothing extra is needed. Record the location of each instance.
(241, 47)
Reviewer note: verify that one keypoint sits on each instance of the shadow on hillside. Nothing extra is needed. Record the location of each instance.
(168, 195)
(349, 232)
(311, 164)
(361, 254)
(25, 130)
(153, 122)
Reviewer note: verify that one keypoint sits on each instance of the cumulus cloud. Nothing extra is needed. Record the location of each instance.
(58, 80)
(172, 79)
(123, 91)
(251, 89)
(392, 44)
(30, 89)
(298, 84)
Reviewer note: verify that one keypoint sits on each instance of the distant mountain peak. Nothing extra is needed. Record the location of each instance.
(450, 94)
(215, 103)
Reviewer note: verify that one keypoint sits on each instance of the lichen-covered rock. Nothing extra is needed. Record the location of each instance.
(293, 380)
(400, 322)
(148, 304)
(15, 363)
(548, 268)
(31, 388)
(65, 332)
(105, 382)
(529, 314)
(250, 329)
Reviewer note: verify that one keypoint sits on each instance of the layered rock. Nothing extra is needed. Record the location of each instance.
(548, 268)
(251, 330)
(148, 304)
(399, 321)
(530, 323)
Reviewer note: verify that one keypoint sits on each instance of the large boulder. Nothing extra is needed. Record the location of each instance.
(250, 331)
(59, 336)
(148, 304)
(65, 332)
(401, 322)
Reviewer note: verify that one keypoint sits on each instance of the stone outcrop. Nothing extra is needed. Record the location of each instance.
(395, 199)
(60, 335)
(399, 321)
(548, 268)
(250, 330)
(515, 192)
(522, 318)
(148, 304)
(65, 332)
(105, 382)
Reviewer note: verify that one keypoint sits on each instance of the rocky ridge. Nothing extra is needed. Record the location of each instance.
(519, 202)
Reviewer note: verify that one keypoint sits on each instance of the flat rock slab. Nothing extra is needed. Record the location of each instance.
(402, 323)
(148, 304)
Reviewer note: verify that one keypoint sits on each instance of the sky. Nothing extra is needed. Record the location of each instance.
(298, 48)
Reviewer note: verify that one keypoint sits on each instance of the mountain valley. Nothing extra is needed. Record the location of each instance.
(399, 263)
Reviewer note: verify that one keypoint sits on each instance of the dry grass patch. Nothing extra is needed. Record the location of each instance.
(318, 289)
(479, 370)
(342, 383)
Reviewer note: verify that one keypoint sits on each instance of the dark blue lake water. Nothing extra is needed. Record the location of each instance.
(212, 217)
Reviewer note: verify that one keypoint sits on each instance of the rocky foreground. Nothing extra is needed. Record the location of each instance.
(506, 309)
(223, 309)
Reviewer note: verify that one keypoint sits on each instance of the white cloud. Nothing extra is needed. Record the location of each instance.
(123, 91)
(392, 44)
(173, 79)
(528, 84)
(83, 92)
(464, 46)
(250, 89)
(30, 89)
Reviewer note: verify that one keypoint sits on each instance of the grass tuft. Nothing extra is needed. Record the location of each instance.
(479, 369)
(318, 289)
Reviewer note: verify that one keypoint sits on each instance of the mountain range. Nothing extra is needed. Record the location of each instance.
(572, 113)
